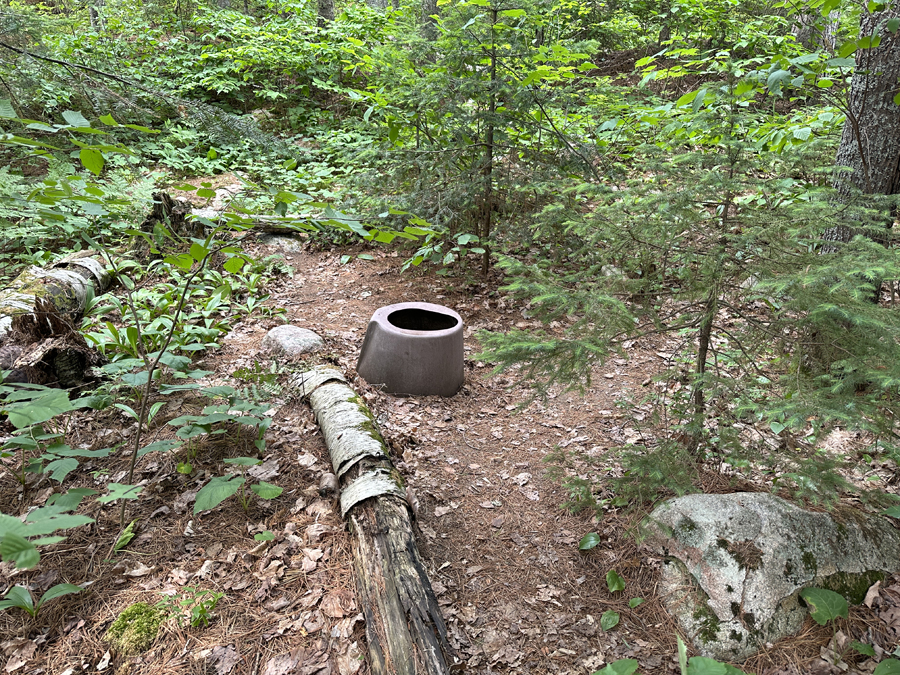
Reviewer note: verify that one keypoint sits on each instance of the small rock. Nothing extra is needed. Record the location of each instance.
(612, 271)
(328, 486)
(292, 340)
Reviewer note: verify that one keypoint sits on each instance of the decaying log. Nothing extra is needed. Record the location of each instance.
(176, 216)
(405, 630)
(39, 342)
(266, 226)
(262, 224)
(68, 284)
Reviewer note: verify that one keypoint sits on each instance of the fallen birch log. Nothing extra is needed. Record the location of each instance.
(38, 311)
(67, 283)
(405, 630)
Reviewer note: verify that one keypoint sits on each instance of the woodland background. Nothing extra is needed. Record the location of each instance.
(721, 172)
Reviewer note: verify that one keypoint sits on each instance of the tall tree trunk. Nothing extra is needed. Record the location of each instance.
(429, 20)
(487, 171)
(868, 159)
(325, 12)
(813, 35)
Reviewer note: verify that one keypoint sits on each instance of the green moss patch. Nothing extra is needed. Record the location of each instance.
(135, 629)
(371, 425)
(852, 586)
(708, 628)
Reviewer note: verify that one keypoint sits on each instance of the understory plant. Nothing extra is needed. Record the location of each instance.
(191, 603)
(141, 351)
(19, 596)
(717, 245)
(220, 488)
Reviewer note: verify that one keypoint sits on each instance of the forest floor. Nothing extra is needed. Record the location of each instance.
(502, 554)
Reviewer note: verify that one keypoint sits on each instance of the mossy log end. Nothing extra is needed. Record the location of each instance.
(67, 285)
(39, 311)
(405, 630)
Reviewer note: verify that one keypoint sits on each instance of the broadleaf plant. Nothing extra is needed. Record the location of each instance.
(220, 488)
(19, 596)
(824, 605)
(614, 582)
(19, 539)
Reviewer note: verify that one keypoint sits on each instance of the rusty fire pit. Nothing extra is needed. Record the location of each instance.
(414, 348)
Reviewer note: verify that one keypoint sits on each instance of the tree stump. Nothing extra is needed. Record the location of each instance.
(172, 215)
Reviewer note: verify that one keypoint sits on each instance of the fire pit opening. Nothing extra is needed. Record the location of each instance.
(421, 319)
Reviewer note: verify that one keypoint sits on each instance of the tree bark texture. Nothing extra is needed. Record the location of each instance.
(38, 339)
(870, 144)
(429, 22)
(405, 630)
(325, 12)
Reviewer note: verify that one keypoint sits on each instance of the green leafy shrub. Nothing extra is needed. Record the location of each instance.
(184, 313)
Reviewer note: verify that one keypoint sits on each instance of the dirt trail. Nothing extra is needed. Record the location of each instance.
(517, 594)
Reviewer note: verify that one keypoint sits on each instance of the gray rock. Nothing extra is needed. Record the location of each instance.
(612, 271)
(292, 340)
(285, 242)
(735, 564)
(749, 283)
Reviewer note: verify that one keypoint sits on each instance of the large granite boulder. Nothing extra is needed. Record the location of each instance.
(735, 563)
